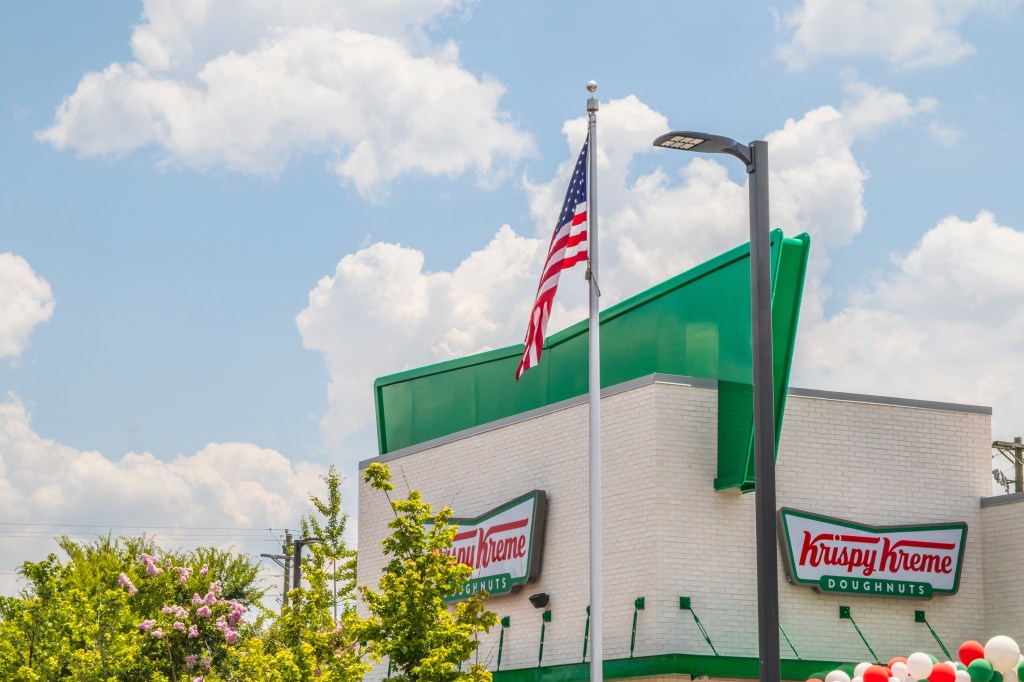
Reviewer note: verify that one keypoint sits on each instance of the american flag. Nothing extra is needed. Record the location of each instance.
(568, 247)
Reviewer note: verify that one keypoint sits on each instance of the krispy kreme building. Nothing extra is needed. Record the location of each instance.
(889, 539)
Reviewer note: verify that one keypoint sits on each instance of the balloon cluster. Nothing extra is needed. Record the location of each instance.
(999, 660)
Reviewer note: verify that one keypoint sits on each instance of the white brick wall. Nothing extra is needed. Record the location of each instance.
(667, 533)
(1004, 563)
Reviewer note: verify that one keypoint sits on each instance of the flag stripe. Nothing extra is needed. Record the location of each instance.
(568, 247)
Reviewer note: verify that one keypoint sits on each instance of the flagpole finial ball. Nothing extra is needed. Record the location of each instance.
(591, 86)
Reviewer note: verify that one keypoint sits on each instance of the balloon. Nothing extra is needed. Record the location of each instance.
(899, 668)
(1020, 670)
(859, 670)
(877, 673)
(980, 670)
(962, 675)
(919, 665)
(970, 651)
(1002, 652)
(837, 676)
(942, 673)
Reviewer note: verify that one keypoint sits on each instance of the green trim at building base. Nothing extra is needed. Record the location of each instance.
(665, 664)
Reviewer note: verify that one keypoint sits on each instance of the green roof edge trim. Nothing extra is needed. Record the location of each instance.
(694, 665)
(694, 324)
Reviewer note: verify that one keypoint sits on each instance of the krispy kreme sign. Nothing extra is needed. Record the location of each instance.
(832, 555)
(503, 546)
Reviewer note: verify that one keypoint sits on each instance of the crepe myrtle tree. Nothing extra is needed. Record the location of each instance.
(423, 638)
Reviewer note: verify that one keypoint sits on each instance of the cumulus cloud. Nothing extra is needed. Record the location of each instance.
(909, 34)
(224, 485)
(382, 311)
(216, 84)
(25, 302)
(944, 324)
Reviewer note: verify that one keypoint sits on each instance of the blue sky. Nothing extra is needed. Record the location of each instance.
(221, 220)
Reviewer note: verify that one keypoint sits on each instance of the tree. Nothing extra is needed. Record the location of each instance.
(113, 610)
(331, 556)
(310, 639)
(409, 622)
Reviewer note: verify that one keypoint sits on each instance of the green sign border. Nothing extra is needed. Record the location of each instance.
(790, 560)
(535, 552)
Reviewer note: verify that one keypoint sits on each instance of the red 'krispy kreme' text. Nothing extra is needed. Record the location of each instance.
(860, 552)
(894, 558)
(817, 551)
(490, 545)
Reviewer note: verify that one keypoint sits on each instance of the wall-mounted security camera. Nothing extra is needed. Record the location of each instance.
(539, 600)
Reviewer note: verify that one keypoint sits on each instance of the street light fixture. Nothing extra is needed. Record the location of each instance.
(755, 157)
(297, 558)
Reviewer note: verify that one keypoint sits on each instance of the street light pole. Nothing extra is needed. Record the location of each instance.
(297, 559)
(755, 156)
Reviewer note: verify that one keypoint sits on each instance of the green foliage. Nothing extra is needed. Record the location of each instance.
(308, 640)
(96, 614)
(122, 609)
(409, 623)
(331, 558)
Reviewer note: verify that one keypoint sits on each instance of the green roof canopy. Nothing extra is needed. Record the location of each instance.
(694, 324)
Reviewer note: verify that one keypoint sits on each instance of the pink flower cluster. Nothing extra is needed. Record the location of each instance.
(125, 581)
(229, 634)
(184, 573)
(150, 564)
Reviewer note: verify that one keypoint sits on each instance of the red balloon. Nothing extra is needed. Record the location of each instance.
(942, 673)
(970, 651)
(901, 659)
(877, 673)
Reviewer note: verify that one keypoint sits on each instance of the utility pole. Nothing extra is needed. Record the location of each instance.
(1015, 453)
(284, 560)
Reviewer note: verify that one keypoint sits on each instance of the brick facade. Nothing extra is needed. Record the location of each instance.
(668, 534)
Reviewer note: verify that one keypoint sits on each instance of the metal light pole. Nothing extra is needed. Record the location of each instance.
(755, 157)
(297, 558)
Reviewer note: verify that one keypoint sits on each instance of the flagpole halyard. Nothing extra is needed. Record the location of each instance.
(596, 606)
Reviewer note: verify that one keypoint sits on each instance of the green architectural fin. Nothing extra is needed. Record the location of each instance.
(695, 324)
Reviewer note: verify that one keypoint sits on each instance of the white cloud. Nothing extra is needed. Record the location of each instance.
(381, 312)
(25, 302)
(224, 485)
(908, 34)
(944, 325)
(943, 133)
(216, 84)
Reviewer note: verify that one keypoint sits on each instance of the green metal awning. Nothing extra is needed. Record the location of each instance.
(695, 324)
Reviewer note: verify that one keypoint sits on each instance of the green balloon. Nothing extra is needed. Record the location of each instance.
(1020, 670)
(934, 660)
(961, 666)
(996, 677)
(980, 670)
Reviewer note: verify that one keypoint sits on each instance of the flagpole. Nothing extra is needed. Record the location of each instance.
(596, 612)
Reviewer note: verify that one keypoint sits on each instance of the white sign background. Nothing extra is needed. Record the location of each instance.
(809, 536)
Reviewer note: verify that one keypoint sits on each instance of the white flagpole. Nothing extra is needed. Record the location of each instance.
(596, 654)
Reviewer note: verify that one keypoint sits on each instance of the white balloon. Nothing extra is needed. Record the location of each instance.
(899, 669)
(895, 679)
(1002, 652)
(837, 676)
(857, 679)
(963, 676)
(919, 665)
(859, 670)
(1010, 675)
